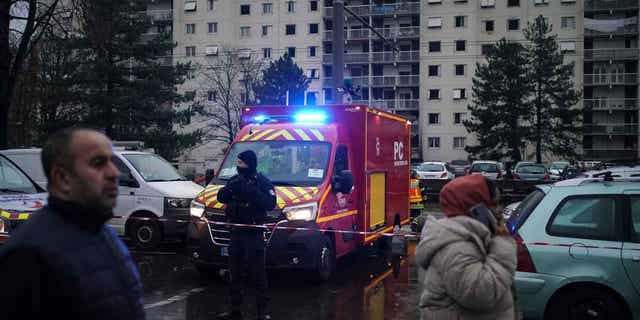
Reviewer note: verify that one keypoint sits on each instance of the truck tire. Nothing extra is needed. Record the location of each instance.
(326, 260)
(146, 234)
(585, 303)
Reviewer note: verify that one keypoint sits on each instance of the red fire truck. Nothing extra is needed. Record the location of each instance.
(338, 167)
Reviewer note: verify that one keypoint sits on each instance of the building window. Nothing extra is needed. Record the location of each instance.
(190, 6)
(434, 118)
(267, 8)
(212, 50)
(210, 5)
(459, 142)
(265, 30)
(290, 29)
(245, 32)
(434, 22)
(313, 5)
(313, 28)
(461, 45)
(190, 28)
(459, 69)
(568, 46)
(435, 1)
(489, 25)
(190, 51)
(213, 27)
(485, 49)
(460, 21)
(487, 3)
(459, 117)
(434, 46)
(313, 74)
(245, 9)
(328, 94)
(513, 24)
(312, 51)
(459, 94)
(513, 3)
(434, 94)
(568, 23)
(212, 96)
(434, 70)
(291, 51)
(434, 142)
(541, 2)
(291, 6)
(266, 53)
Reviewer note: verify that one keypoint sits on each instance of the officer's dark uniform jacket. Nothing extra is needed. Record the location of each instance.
(65, 263)
(248, 199)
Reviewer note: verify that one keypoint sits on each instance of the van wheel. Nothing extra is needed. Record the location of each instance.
(326, 260)
(146, 234)
(585, 303)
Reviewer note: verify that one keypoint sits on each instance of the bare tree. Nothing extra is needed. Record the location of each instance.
(228, 82)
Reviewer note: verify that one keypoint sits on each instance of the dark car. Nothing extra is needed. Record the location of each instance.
(459, 167)
(530, 171)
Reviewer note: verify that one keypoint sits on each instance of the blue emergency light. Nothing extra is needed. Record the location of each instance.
(260, 119)
(310, 117)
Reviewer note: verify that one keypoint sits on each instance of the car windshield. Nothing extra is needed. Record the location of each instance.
(153, 168)
(532, 169)
(523, 210)
(559, 165)
(459, 163)
(12, 180)
(31, 164)
(292, 163)
(431, 167)
(484, 167)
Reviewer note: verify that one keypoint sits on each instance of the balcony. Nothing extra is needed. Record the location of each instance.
(614, 129)
(406, 8)
(366, 34)
(160, 15)
(610, 154)
(611, 79)
(376, 57)
(611, 104)
(607, 5)
(382, 81)
(610, 27)
(395, 104)
(611, 54)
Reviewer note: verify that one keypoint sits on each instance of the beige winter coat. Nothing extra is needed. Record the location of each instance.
(467, 272)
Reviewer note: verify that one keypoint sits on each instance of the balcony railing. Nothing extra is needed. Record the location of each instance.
(611, 54)
(611, 79)
(382, 81)
(610, 154)
(395, 104)
(611, 129)
(596, 5)
(160, 15)
(377, 57)
(387, 9)
(607, 27)
(365, 34)
(611, 104)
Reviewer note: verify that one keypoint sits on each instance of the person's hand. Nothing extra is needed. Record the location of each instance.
(501, 230)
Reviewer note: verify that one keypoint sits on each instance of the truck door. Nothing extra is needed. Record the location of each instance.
(377, 202)
(127, 187)
(631, 247)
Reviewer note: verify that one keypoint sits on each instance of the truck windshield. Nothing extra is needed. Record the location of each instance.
(153, 168)
(292, 163)
(12, 180)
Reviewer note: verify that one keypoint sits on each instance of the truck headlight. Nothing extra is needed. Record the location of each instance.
(4, 227)
(178, 202)
(197, 209)
(305, 212)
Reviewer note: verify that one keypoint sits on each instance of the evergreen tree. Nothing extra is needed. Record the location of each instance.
(281, 76)
(554, 96)
(499, 109)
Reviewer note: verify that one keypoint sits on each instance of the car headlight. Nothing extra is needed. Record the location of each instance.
(304, 212)
(3, 226)
(196, 209)
(178, 202)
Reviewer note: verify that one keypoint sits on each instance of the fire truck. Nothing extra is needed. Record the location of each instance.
(341, 176)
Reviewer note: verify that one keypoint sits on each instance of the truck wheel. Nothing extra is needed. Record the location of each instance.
(146, 234)
(326, 260)
(585, 303)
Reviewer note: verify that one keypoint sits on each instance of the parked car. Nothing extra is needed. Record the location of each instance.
(149, 187)
(579, 250)
(435, 170)
(489, 169)
(459, 167)
(530, 171)
(556, 169)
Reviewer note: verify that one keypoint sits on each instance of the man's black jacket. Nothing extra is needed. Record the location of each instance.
(248, 199)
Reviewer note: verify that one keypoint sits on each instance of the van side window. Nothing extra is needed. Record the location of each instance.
(124, 171)
(342, 160)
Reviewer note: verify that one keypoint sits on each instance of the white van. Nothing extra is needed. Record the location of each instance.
(149, 188)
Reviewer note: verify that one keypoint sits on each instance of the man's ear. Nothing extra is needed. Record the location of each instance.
(61, 179)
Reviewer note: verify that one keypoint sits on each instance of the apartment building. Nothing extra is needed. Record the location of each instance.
(611, 80)
(387, 73)
(455, 35)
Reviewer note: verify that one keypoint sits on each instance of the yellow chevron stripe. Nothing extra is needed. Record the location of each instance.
(281, 203)
(302, 134)
(218, 205)
(212, 191)
(247, 136)
(314, 190)
(261, 134)
(5, 214)
(210, 201)
(283, 133)
(288, 193)
(23, 216)
(317, 134)
(303, 193)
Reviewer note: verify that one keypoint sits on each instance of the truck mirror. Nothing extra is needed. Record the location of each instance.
(342, 182)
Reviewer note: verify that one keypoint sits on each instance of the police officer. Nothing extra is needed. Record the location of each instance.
(248, 196)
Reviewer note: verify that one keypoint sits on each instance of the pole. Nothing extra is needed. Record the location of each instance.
(338, 50)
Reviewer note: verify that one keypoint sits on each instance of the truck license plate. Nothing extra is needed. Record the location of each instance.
(224, 251)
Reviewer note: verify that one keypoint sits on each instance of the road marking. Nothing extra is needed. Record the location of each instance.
(173, 299)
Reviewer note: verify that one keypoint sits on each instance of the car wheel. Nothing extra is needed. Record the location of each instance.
(146, 234)
(585, 304)
(326, 260)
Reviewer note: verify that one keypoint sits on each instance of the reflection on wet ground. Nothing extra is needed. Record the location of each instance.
(368, 285)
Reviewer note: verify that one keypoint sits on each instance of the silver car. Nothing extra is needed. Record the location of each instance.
(435, 170)
(489, 169)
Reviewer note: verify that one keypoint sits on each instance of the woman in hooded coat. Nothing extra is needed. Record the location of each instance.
(468, 269)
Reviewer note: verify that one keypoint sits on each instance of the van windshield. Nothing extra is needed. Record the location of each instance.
(285, 163)
(12, 180)
(153, 168)
(31, 164)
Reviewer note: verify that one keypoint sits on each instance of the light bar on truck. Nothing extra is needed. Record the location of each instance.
(310, 117)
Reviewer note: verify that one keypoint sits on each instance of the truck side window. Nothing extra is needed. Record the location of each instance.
(125, 173)
(342, 160)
